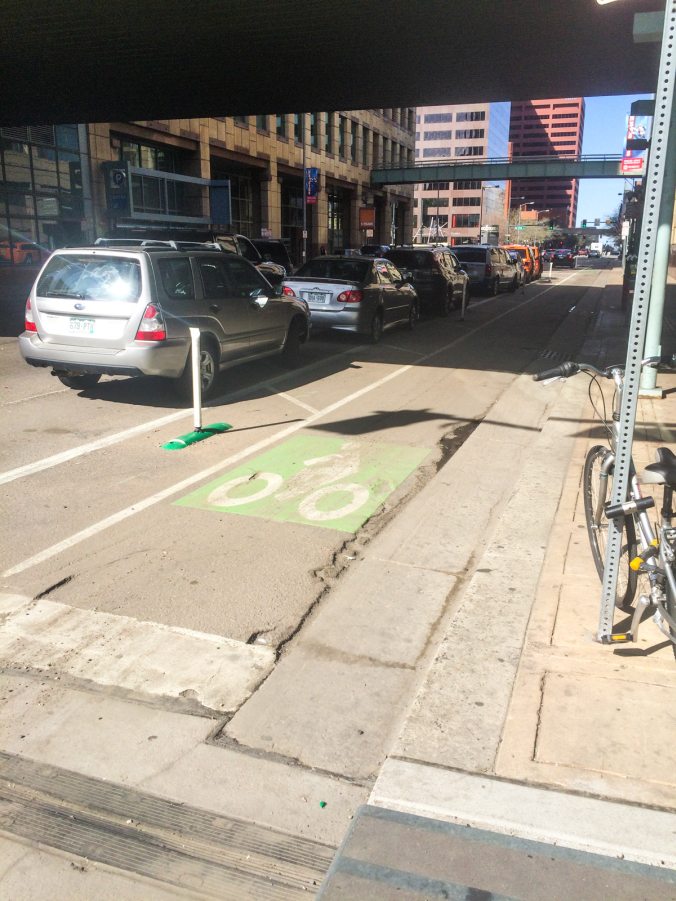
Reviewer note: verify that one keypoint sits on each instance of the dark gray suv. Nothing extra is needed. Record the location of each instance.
(127, 311)
(435, 273)
(489, 268)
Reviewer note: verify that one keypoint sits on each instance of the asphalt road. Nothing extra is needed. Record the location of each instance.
(316, 460)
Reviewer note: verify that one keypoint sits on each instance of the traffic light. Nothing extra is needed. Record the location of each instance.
(584, 223)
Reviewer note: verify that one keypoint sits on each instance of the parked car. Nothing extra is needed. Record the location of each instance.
(21, 253)
(436, 274)
(524, 252)
(594, 254)
(127, 311)
(374, 250)
(517, 262)
(234, 243)
(564, 256)
(354, 294)
(272, 250)
(488, 267)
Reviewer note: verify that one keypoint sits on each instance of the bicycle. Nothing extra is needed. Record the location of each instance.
(646, 550)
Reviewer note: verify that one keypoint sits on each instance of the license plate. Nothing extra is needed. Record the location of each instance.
(317, 297)
(81, 326)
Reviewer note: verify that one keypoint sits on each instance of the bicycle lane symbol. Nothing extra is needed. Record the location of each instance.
(330, 482)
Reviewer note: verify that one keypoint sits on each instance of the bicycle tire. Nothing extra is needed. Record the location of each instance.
(597, 533)
(670, 604)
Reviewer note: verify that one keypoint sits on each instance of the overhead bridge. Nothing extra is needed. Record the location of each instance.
(501, 169)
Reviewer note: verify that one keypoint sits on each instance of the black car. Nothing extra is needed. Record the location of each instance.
(489, 268)
(564, 256)
(435, 273)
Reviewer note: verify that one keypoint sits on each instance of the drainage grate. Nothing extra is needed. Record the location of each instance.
(183, 846)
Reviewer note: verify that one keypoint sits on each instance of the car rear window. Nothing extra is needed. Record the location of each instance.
(91, 278)
(411, 259)
(344, 270)
(470, 255)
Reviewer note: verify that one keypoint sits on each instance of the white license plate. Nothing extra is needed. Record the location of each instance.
(317, 297)
(81, 326)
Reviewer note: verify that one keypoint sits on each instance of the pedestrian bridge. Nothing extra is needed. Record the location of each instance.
(501, 169)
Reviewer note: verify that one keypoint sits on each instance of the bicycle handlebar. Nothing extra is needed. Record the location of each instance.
(565, 370)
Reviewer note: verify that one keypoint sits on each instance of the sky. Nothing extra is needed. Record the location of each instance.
(604, 130)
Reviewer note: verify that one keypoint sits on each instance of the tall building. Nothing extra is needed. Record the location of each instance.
(546, 128)
(69, 184)
(457, 212)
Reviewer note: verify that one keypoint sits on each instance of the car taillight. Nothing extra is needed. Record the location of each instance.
(288, 292)
(350, 297)
(152, 325)
(29, 322)
(489, 269)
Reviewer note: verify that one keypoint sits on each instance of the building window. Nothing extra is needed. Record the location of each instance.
(338, 219)
(297, 127)
(262, 123)
(434, 202)
(241, 198)
(437, 135)
(146, 156)
(353, 140)
(436, 186)
(466, 201)
(465, 220)
(471, 116)
(314, 137)
(436, 151)
(342, 125)
(365, 138)
(243, 121)
(469, 133)
(328, 132)
(280, 125)
(472, 150)
(565, 116)
(436, 117)
(467, 184)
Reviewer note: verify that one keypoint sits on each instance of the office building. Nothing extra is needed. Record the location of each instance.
(546, 128)
(457, 212)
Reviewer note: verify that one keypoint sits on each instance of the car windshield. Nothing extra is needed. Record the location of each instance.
(344, 270)
(470, 254)
(411, 259)
(91, 278)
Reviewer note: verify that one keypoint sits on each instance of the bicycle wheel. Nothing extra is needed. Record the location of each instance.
(597, 527)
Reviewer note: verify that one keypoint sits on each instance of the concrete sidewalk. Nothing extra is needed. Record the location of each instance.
(524, 726)
(557, 752)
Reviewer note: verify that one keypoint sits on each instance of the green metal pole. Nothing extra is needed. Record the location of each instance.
(653, 340)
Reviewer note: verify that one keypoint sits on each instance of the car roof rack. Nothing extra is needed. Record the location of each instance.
(157, 244)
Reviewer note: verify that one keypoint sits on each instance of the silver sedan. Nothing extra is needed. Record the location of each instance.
(354, 294)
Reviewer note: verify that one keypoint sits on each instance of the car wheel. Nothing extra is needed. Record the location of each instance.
(208, 372)
(495, 287)
(291, 352)
(79, 382)
(28, 259)
(376, 327)
(513, 285)
(412, 315)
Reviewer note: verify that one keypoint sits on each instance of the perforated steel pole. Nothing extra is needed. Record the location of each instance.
(664, 100)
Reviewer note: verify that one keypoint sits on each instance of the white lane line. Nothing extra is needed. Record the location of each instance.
(21, 400)
(153, 499)
(164, 661)
(293, 400)
(64, 456)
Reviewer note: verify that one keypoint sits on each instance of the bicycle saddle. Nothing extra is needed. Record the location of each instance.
(663, 471)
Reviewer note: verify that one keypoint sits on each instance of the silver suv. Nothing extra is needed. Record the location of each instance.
(127, 311)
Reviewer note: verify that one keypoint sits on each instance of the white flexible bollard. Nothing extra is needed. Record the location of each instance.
(196, 379)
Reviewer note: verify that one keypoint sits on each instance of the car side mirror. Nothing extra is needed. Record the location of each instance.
(258, 299)
(405, 274)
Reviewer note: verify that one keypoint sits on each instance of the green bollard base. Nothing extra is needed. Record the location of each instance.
(207, 431)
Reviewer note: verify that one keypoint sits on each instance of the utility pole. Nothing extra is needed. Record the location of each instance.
(304, 181)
